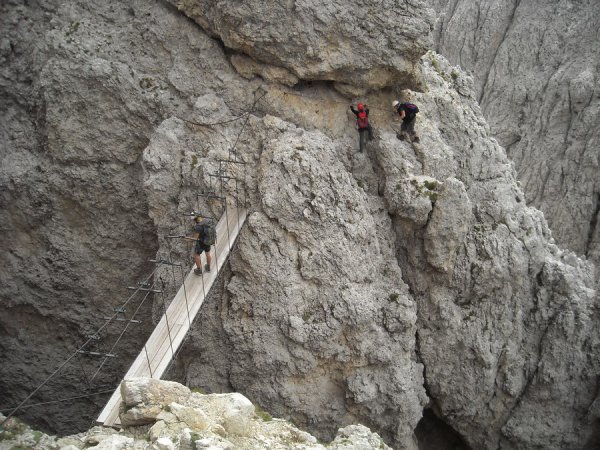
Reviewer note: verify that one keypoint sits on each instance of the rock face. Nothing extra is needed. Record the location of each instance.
(351, 332)
(64, 185)
(82, 90)
(216, 421)
(536, 77)
(361, 43)
(364, 288)
(496, 301)
(505, 322)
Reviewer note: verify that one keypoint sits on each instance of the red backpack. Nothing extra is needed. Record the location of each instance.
(363, 120)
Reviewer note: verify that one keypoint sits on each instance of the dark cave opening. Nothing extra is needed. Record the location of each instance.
(435, 434)
(593, 441)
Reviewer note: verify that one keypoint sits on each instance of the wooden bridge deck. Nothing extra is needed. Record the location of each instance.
(170, 331)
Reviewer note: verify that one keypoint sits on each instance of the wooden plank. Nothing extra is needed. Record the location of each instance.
(165, 341)
(209, 278)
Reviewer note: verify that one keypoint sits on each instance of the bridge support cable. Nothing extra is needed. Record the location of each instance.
(166, 315)
(143, 287)
(148, 361)
(90, 338)
(67, 399)
(168, 262)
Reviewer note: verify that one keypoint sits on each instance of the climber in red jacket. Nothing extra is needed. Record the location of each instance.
(362, 123)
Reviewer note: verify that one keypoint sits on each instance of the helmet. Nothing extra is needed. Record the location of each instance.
(360, 106)
(395, 103)
(198, 219)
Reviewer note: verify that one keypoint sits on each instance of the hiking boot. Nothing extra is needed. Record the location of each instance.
(207, 267)
(400, 136)
(416, 139)
(198, 271)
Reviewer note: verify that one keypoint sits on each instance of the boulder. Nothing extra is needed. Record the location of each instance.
(358, 437)
(145, 398)
(150, 391)
(195, 418)
(114, 442)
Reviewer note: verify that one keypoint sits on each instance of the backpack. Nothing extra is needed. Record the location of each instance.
(208, 235)
(363, 120)
(411, 109)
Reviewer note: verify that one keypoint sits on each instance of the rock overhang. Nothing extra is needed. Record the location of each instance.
(363, 44)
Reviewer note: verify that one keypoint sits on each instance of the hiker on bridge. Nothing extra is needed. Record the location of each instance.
(408, 114)
(204, 235)
(363, 125)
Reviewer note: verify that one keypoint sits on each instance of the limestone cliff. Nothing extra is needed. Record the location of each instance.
(318, 289)
(354, 43)
(365, 287)
(83, 86)
(535, 66)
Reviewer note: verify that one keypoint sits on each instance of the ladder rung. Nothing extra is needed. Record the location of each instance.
(108, 355)
(122, 319)
(165, 262)
(139, 288)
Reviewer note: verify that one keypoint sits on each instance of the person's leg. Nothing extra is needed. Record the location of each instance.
(362, 136)
(412, 132)
(402, 134)
(370, 128)
(208, 260)
(198, 262)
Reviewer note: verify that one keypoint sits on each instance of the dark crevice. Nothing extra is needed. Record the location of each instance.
(435, 434)
(593, 225)
(169, 7)
(431, 432)
(593, 442)
(304, 85)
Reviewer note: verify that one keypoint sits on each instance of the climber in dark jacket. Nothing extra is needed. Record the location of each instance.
(198, 238)
(362, 122)
(408, 114)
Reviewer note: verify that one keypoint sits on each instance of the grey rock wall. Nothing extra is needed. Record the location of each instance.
(491, 318)
(343, 251)
(82, 87)
(536, 75)
(358, 43)
(364, 287)
(318, 325)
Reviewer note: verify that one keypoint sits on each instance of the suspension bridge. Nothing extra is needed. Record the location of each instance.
(163, 345)
(167, 337)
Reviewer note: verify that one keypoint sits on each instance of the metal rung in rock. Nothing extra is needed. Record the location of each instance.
(122, 319)
(144, 289)
(108, 355)
(164, 261)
